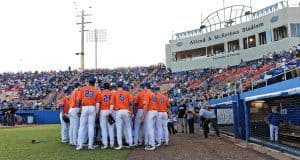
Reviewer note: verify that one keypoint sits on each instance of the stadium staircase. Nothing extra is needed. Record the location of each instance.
(54, 96)
(136, 88)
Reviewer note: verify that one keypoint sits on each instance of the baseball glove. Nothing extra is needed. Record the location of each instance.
(111, 119)
(66, 118)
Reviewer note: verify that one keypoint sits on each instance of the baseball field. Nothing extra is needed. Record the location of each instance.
(15, 144)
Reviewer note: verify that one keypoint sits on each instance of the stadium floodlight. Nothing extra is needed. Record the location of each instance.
(96, 36)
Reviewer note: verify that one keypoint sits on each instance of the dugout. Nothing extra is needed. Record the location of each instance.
(282, 98)
(229, 113)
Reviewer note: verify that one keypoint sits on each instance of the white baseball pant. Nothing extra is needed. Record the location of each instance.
(149, 127)
(123, 119)
(162, 127)
(138, 126)
(87, 117)
(64, 129)
(74, 125)
(106, 128)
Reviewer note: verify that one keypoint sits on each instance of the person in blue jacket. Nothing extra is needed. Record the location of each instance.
(274, 120)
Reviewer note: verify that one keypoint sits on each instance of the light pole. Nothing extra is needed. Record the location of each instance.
(96, 36)
(82, 24)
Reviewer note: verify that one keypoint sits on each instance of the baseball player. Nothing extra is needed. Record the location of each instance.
(131, 103)
(73, 114)
(138, 116)
(121, 102)
(162, 118)
(105, 99)
(64, 106)
(149, 117)
(89, 98)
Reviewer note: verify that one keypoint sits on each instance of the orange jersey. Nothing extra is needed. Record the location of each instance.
(74, 98)
(140, 99)
(65, 102)
(150, 100)
(121, 99)
(105, 98)
(163, 102)
(89, 96)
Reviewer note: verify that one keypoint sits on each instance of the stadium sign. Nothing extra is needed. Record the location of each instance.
(179, 44)
(274, 19)
(253, 26)
(225, 56)
(224, 35)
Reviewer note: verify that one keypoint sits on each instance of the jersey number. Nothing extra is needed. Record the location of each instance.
(89, 94)
(122, 97)
(154, 99)
(106, 98)
(162, 101)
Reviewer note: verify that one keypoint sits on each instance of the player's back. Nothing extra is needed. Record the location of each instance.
(73, 98)
(105, 98)
(65, 101)
(139, 99)
(89, 96)
(163, 102)
(150, 100)
(121, 99)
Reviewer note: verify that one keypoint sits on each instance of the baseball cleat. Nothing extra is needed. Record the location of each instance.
(78, 148)
(157, 144)
(104, 147)
(119, 148)
(150, 148)
(91, 147)
(135, 145)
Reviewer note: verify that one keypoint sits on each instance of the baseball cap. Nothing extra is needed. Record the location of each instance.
(106, 85)
(157, 88)
(76, 84)
(125, 87)
(142, 85)
(92, 80)
(120, 84)
(148, 85)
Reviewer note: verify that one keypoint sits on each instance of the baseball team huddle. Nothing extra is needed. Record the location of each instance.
(140, 120)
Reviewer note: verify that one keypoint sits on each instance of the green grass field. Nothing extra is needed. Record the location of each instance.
(15, 144)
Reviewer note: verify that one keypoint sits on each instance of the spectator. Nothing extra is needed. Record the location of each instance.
(182, 117)
(273, 120)
(191, 119)
(171, 124)
(207, 116)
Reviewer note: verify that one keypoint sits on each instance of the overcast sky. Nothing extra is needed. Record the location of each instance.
(42, 35)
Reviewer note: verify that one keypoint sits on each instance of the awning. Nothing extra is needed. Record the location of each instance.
(223, 103)
(287, 92)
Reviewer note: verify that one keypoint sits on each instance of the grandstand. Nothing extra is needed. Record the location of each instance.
(231, 80)
(234, 34)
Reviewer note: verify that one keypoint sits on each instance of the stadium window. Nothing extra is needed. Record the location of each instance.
(233, 45)
(251, 41)
(216, 49)
(199, 52)
(280, 33)
(245, 43)
(269, 36)
(174, 57)
(262, 38)
(295, 29)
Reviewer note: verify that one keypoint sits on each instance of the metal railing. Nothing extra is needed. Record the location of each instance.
(238, 84)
